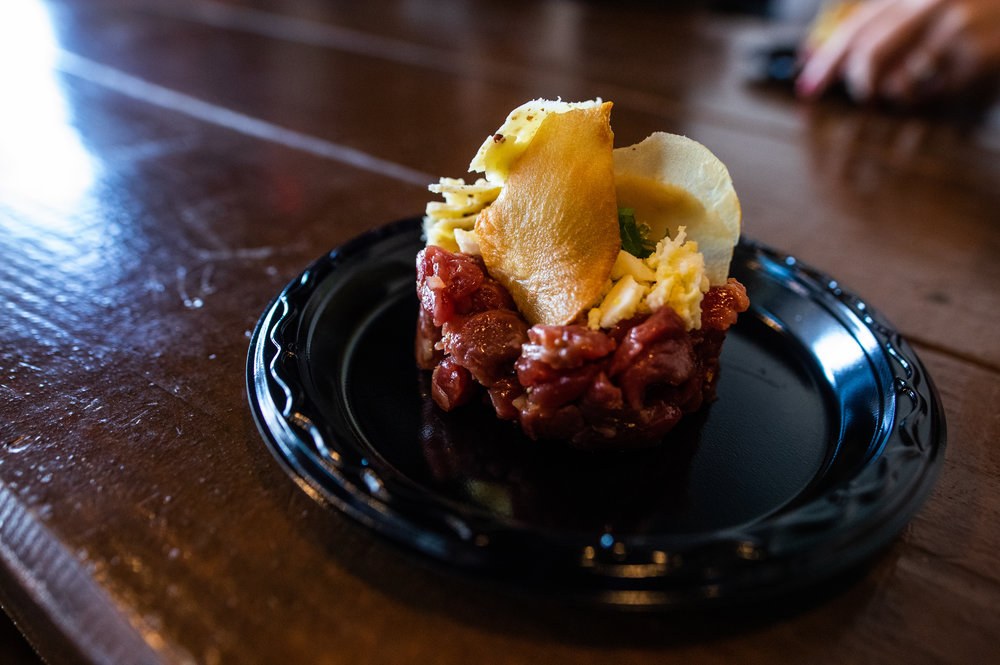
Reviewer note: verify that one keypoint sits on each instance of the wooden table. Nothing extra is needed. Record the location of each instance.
(167, 166)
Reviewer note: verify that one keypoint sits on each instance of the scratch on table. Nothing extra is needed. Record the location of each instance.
(19, 444)
(146, 150)
(138, 418)
(94, 404)
(253, 253)
(153, 284)
(204, 287)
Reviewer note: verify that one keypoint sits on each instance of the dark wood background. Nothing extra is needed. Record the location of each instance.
(166, 166)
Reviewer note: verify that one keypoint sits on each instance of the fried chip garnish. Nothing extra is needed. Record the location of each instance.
(551, 237)
(670, 181)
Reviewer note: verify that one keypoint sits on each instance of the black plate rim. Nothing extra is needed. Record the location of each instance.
(753, 561)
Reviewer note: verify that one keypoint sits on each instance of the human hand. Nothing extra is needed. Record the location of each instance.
(907, 50)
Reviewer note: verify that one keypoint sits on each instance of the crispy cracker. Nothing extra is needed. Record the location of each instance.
(551, 237)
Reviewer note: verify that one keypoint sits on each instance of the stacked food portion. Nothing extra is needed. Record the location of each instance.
(582, 289)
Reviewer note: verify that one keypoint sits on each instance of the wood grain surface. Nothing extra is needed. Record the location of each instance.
(167, 166)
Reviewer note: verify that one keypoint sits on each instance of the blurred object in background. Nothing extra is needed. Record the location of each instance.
(903, 51)
(759, 7)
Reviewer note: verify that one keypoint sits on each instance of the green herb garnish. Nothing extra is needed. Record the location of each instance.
(635, 236)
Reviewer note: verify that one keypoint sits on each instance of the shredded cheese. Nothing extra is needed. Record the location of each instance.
(673, 275)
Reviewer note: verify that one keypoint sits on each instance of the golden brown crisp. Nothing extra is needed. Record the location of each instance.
(551, 237)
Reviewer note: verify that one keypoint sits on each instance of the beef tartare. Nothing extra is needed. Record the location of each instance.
(581, 290)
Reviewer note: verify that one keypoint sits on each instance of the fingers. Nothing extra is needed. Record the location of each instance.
(981, 22)
(960, 47)
(865, 51)
(887, 38)
(929, 67)
(822, 67)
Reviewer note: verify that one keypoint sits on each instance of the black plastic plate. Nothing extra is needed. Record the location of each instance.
(825, 440)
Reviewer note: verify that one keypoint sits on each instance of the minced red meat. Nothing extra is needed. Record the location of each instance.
(618, 389)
